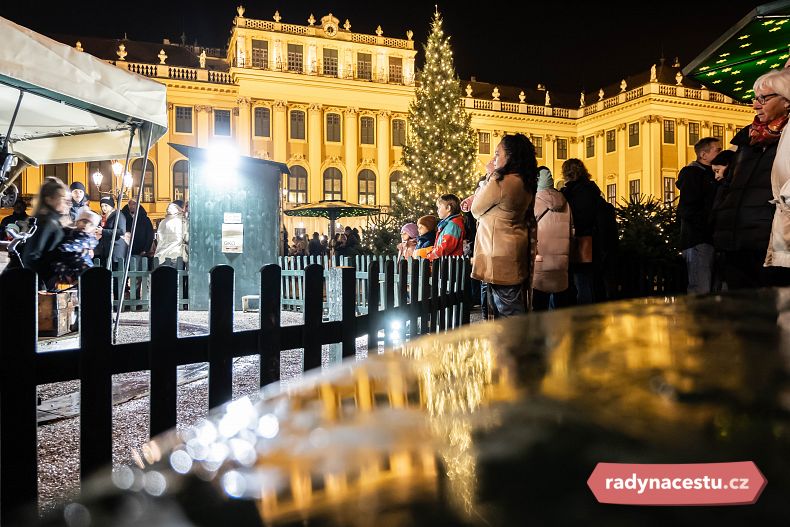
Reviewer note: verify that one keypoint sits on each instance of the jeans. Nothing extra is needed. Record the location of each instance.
(501, 301)
(699, 262)
(584, 280)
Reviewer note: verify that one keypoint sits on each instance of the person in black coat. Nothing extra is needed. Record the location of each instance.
(78, 199)
(583, 196)
(105, 233)
(144, 232)
(40, 249)
(19, 214)
(743, 212)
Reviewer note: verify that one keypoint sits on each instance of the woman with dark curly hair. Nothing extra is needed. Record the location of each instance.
(504, 245)
(583, 195)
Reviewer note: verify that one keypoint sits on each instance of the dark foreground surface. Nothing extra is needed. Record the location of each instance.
(494, 424)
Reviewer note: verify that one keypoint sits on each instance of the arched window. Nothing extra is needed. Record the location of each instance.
(367, 187)
(181, 180)
(333, 184)
(395, 181)
(297, 185)
(148, 181)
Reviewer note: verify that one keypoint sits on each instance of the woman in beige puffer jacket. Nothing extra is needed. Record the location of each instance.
(555, 225)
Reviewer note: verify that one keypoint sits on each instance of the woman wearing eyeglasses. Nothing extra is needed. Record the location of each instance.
(744, 212)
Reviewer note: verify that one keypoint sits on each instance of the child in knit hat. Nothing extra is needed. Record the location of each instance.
(426, 227)
(75, 252)
(408, 236)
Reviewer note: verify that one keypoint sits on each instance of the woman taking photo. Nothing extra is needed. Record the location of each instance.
(503, 207)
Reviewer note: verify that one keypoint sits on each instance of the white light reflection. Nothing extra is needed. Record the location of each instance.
(234, 484)
(77, 515)
(181, 461)
(268, 426)
(242, 451)
(123, 478)
(154, 483)
(205, 432)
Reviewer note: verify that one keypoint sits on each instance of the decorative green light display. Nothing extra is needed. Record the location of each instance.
(751, 48)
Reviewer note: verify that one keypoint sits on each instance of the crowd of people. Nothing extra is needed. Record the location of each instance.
(735, 203)
(68, 235)
(346, 243)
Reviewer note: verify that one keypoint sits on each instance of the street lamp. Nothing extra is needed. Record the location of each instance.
(97, 178)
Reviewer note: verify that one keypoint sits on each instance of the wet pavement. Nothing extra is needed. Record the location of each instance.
(494, 424)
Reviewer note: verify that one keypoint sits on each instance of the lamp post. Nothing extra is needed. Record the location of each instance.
(284, 240)
(97, 178)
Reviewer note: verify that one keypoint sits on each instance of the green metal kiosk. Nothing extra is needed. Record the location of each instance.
(234, 218)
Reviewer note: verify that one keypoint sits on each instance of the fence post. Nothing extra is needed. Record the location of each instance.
(95, 370)
(425, 296)
(414, 295)
(389, 299)
(436, 288)
(269, 336)
(18, 445)
(163, 348)
(466, 291)
(349, 316)
(220, 372)
(373, 306)
(313, 314)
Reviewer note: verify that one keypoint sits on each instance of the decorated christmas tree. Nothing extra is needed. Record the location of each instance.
(440, 152)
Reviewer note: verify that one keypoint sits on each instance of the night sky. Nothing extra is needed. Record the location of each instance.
(567, 45)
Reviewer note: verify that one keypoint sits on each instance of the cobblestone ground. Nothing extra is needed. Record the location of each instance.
(59, 444)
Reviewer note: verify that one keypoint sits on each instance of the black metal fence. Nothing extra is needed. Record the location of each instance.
(428, 298)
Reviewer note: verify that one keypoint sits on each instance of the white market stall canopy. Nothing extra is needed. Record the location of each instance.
(74, 107)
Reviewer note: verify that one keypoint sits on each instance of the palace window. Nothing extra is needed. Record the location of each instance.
(367, 187)
(395, 179)
(148, 182)
(367, 130)
(718, 132)
(611, 193)
(184, 119)
(669, 190)
(537, 142)
(562, 149)
(669, 131)
(484, 142)
(330, 62)
(222, 122)
(611, 142)
(634, 190)
(333, 127)
(263, 122)
(295, 58)
(60, 171)
(398, 132)
(589, 143)
(633, 134)
(297, 124)
(396, 70)
(181, 180)
(260, 54)
(333, 184)
(297, 184)
(105, 167)
(693, 133)
(364, 66)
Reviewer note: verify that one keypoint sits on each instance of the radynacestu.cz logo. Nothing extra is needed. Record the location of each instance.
(738, 483)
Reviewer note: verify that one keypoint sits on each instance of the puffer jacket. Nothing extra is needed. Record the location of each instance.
(555, 224)
(778, 254)
(502, 245)
(743, 212)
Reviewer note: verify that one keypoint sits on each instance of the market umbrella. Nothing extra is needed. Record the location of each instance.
(755, 45)
(332, 210)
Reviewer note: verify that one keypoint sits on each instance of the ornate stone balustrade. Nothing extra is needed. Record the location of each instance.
(604, 104)
(163, 71)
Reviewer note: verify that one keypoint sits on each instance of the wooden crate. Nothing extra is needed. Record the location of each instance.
(56, 313)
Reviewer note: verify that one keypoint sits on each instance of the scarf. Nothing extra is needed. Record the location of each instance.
(764, 134)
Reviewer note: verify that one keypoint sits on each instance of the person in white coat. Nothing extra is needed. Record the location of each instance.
(172, 236)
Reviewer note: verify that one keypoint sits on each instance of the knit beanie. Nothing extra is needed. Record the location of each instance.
(410, 229)
(77, 185)
(545, 179)
(108, 200)
(429, 222)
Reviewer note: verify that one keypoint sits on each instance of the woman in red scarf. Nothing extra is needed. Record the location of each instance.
(744, 212)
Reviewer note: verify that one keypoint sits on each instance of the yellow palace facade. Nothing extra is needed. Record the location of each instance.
(333, 105)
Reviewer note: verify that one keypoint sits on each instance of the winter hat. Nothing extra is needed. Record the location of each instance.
(77, 186)
(410, 229)
(87, 214)
(429, 222)
(108, 200)
(545, 179)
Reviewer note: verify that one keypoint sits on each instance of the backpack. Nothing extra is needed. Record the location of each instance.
(606, 230)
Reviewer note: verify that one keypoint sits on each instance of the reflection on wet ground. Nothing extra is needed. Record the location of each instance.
(494, 424)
